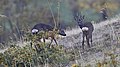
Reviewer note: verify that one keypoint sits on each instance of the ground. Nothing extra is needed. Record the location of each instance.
(106, 40)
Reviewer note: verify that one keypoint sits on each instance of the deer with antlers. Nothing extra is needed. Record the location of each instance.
(86, 27)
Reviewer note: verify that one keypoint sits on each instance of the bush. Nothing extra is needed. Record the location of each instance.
(37, 54)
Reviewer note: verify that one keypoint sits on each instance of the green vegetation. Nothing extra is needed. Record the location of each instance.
(111, 62)
(22, 15)
(34, 54)
(33, 57)
(37, 53)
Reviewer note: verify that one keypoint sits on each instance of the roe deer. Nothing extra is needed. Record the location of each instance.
(86, 27)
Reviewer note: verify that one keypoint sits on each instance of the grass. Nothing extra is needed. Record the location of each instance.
(38, 54)
(34, 56)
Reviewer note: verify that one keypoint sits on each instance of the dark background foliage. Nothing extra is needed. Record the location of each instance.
(24, 14)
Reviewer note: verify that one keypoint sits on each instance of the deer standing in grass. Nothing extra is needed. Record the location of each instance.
(86, 27)
(49, 30)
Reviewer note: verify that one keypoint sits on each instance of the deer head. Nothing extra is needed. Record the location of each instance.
(80, 21)
(61, 30)
(78, 17)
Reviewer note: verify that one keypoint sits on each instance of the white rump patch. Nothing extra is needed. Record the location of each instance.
(34, 30)
(2, 15)
(85, 29)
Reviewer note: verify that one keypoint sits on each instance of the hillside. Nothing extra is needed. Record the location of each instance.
(106, 39)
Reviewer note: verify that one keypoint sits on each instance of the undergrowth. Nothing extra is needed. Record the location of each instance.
(38, 54)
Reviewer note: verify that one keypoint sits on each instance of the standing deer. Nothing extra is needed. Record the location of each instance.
(104, 15)
(86, 27)
(49, 30)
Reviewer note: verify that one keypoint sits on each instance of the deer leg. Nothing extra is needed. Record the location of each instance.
(91, 39)
(51, 42)
(44, 40)
(55, 41)
(31, 44)
(83, 41)
(87, 38)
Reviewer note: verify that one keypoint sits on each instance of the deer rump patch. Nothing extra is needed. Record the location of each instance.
(34, 30)
(85, 29)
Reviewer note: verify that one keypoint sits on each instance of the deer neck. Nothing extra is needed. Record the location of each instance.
(80, 24)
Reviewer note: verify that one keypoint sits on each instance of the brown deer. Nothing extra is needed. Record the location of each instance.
(86, 27)
(47, 30)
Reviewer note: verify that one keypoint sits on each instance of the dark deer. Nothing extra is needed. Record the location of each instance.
(49, 30)
(104, 15)
(86, 27)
